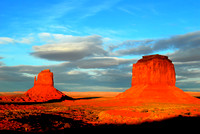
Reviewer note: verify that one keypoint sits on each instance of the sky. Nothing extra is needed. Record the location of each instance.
(91, 45)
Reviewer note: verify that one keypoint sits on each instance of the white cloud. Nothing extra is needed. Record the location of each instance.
(103, 62)
(24, 40)
(6, 40)
(68, 47)
(73, 72)
(54, 38)
(28, 75)
(44, 35)
(27, 40)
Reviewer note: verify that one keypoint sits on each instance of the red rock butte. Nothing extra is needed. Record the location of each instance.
(153, 80)
(43, 89)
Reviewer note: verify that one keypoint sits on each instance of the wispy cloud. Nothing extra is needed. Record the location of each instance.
(79, 8)
(140, 10)
(1, 63)
(103, 62)
(60, 9)
(8, 40)
(106, 32)
(127, 11)
(65, 28)
(94, 9)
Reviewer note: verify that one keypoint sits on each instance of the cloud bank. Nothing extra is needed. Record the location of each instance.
(182, 48)
(68, 48)
(87, 63)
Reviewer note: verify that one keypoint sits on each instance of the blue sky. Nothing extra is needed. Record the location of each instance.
(97, 41)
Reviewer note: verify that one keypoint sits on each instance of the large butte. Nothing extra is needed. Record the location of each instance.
(43, 89)
(153, 80)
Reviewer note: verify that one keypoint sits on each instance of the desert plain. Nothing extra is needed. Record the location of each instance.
(94, 110)
(153, 101)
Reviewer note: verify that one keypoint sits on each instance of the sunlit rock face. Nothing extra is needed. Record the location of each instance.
(43, 89)
(153, 70)
(153, 80)
(45, 78)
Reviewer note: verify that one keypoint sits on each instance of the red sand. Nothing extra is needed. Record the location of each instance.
(91, 110)
(166, 94)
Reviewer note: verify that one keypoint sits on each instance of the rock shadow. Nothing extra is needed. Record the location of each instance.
(179, 122)
(50, 101)
(87, 98)
(44, 123)
(48, 123)
(32, 103)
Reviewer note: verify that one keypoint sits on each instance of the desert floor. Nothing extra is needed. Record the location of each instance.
(94, 110)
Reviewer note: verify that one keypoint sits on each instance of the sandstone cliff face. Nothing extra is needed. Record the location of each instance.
(153, 70)
(45, 78)
(153, 80)
(43, 89)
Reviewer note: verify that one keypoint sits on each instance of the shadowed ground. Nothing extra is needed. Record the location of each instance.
(59, 124)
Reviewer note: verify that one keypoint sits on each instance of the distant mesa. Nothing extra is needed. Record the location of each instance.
(153, 80)
(43, 89)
